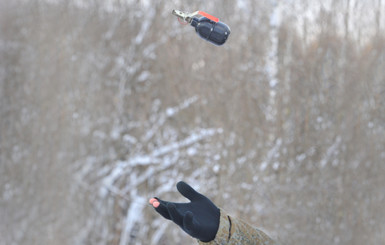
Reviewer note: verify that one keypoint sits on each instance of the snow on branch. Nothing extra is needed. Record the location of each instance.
(160, 119)
(124, 167)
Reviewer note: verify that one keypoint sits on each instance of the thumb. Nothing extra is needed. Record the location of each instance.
(187, 191)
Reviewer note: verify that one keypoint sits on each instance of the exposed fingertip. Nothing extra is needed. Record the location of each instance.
(155, 204)
(152, 200)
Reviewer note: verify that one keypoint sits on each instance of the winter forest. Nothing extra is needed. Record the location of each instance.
(105, 104)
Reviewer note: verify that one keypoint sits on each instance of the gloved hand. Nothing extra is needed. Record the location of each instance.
(198, 218)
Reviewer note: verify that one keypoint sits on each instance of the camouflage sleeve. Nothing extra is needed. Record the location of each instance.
(233, 231)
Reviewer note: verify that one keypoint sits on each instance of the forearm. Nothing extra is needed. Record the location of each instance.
(233, 231)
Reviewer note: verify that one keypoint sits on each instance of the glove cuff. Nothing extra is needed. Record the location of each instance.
(234, 231)
(224, 232)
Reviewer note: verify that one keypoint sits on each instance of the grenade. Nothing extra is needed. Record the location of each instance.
(214, 32)
(207, 27)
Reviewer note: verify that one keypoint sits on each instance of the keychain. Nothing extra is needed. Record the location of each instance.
(207, 27)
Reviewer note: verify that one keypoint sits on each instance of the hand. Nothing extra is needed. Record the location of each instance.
(198, 218)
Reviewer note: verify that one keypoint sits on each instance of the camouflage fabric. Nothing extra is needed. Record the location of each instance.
(233, 231)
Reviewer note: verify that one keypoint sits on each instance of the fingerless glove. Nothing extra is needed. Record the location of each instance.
(199, 218)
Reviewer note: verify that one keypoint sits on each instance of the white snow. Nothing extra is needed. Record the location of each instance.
(144, 76)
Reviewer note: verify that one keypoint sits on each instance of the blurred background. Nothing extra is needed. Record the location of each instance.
(104, 104)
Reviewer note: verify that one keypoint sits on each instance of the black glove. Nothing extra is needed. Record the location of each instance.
(198, 218)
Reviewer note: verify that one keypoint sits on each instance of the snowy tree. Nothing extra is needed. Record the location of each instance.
(105, 104)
